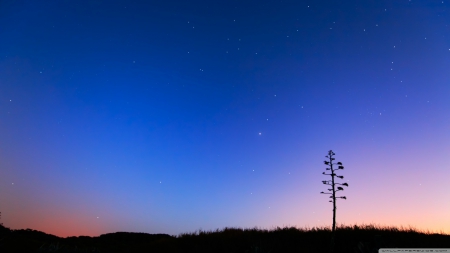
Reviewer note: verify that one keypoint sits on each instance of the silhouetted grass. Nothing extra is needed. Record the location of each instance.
(353, 239)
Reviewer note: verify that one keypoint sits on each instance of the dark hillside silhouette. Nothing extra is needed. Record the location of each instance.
(353, 239)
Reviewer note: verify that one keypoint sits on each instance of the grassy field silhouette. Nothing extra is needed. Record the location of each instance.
(356, 238)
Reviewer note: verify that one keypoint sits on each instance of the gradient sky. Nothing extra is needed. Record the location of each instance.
(174, 116)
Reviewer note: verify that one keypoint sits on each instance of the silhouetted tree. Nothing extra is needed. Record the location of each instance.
(333, 188)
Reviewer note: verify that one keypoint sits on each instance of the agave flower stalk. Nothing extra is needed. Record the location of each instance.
(334, 188)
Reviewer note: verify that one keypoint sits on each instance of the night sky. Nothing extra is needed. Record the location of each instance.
(175, 116)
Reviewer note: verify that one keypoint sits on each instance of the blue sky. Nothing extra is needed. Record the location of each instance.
(167, 117)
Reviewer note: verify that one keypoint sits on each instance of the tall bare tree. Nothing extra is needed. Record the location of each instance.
(334, 189)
